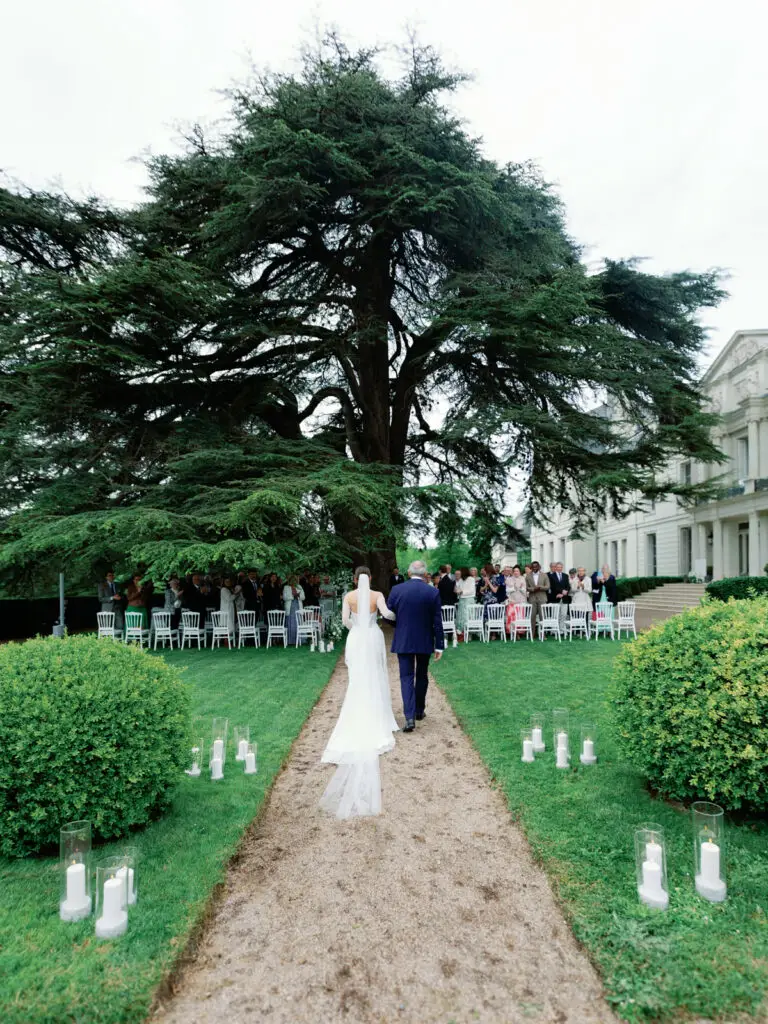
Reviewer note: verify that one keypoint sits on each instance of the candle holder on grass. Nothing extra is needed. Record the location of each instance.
(216, 761)
(537, 733)
(250, 759)
(75, 858)
(588, 743)
(219, 740)
(560, 735)
(129, 859)
(651, 866)
(111, 898)
(195, 757)
(709, 850)
(526, 738)
(242, 739)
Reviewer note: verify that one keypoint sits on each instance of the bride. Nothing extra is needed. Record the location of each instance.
(366, 723)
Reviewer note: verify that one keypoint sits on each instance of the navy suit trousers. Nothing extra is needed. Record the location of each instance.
(414, 681)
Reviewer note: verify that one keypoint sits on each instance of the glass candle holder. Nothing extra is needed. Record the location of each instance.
(588, 743)
(111, 898)
(537, 733)
(651, 866)
(242, 739)
(526, 738)
(216, 761)
(195, 757)
(250, 759)
(75, 859)
(129, 858)
(709, 850)
(219, 740)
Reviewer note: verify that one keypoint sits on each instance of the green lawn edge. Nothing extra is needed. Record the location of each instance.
(53, 972)
(696, 960)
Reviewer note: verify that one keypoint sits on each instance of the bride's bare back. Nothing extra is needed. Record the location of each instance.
(351, 599)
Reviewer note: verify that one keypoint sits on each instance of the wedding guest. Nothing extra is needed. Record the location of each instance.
(396, 578)
(111, 599)
(172, 600)
(136, 598)
(491, 592)
(435, 579)
(293, 601)
(250, 590)
(581, 590)
(517, 594)
(313, 592)
(229, 594)
(447, 587)
(559, 592)
(537, 587)
(475, 577)
(604, 586)
(272, 593)
(465, 591)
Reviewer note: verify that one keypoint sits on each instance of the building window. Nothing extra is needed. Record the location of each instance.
(650, 554)
(742, 457)
(686, 473)
(686, 550)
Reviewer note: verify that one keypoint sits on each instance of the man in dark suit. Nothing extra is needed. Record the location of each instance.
(446, 587)
(418, 633)
(250, 587)
(395, 578)
(559, 591)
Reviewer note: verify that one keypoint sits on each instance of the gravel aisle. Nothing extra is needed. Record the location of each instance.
(432, 912)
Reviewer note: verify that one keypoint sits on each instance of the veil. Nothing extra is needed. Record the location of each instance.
(363, 601)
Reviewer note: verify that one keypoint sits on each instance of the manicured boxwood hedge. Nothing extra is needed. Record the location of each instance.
(632, 586)
(740, 587)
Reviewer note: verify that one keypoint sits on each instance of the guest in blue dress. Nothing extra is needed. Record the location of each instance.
(293, 601)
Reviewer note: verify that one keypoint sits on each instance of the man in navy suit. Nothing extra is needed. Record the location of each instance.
(418, 632)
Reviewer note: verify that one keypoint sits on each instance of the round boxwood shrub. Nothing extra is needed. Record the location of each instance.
(691, 704)
(89, 729)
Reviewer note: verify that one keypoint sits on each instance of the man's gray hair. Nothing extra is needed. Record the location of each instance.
(417, 569)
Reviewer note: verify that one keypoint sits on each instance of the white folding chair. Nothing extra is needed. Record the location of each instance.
(190, 629)
(522, 622)
(106, 625)
(449, 623)
(475, 622)
(578, 622)
(549, 621)
(496, 621)
(220, 629)
(626, 619)
(276, 628)
(134, 628)
(246, 621)
(603, 620)
(208, 624)
(317, 618)
(161, 624)
(306, 625)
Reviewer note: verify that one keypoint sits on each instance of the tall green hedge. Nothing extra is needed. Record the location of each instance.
(740, 587)
(691, 703)
(89, 729)
(632, 586)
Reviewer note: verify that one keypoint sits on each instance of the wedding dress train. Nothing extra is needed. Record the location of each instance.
(365, 725)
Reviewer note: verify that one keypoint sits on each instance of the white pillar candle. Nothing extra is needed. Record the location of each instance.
(129, 880)
(653, 852)
(528, 750)
(250, 764)
(589, 750)
(562, 740)
(114, 919)
(216, 769)
(330, 647)
(710, 863)
(76, 884)
(322, 647)
(218, 749)
(562, 757)
(242, 750)
(651, 891)
(538, 739)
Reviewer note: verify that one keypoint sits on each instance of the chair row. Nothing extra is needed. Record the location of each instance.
(488, 620)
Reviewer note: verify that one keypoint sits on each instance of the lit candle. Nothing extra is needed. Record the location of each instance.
(216, 768)
(76, 896)
(127, 874)
(218, 749)
(651, 891)
(710, 863)
(242, 750)
(528, 750)
(114, 919)
(250, 763)
(562, 757)
(653, 852)
(538, 740)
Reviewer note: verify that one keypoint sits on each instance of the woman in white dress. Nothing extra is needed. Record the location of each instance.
(229, 596)
(365, 725)
(581, 590)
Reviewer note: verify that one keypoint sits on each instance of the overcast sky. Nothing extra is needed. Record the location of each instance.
(649, 116)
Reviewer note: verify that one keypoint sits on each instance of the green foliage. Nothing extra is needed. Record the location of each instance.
(628, 587)
(90, 730)
(691, 704)
(331, 324)
(455, 554)
(740, 587)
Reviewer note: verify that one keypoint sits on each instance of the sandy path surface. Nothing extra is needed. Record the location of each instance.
(431, 912)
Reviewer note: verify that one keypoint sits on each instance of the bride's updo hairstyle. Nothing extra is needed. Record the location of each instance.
(362, 570)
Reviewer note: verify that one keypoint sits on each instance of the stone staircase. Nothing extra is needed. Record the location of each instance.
(666, 601)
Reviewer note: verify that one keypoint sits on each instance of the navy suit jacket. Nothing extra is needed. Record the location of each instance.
(419, 626)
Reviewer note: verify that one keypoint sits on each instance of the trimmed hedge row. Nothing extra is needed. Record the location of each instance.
(632, 586)
(740, 587)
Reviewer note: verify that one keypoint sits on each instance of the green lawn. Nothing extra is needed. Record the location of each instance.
(697, 959)
(52, 972)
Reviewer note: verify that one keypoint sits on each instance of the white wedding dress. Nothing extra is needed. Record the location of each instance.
(365, 725)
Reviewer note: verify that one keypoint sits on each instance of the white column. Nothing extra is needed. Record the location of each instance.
(717, 549)
(753, 440)
(763, 447)
(700, 542)
(755, 568)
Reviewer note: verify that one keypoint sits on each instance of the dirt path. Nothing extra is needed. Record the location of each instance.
(432, 912)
